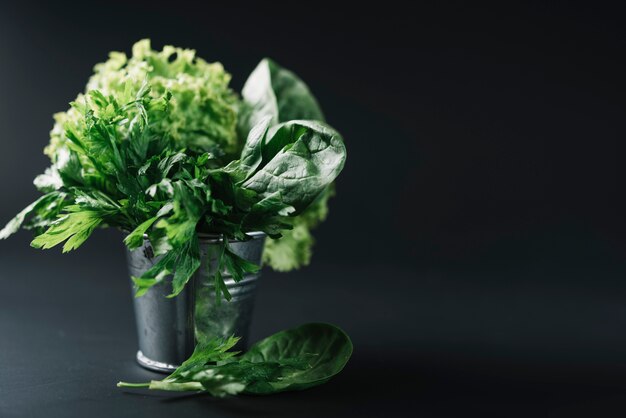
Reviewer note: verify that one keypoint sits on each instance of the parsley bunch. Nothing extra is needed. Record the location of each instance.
(160, 146)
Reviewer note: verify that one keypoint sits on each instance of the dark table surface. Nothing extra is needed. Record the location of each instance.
(522, 342)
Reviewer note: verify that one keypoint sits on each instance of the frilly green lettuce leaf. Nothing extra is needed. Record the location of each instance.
(203, 108)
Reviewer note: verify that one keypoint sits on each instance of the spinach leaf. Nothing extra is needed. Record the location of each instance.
(295, 359)
(252, 153)
(326, 346)
(300, 159)
(278, 93)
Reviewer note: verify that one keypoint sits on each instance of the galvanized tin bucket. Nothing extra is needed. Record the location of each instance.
(168, 328)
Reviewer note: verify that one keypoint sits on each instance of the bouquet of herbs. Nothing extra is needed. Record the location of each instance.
(160, 146)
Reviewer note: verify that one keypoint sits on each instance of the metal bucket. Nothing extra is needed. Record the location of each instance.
(168, 328)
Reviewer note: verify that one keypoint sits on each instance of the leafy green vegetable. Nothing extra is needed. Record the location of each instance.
(301, 158)
(203, 109)
(295, 359)
(135, 238)
(155, 147)
(44, 206)
(278, 94)
(213, 350)
(326, 347)
(294, 248)
(74, 228)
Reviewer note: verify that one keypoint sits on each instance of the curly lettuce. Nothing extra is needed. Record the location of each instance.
(203, 109)
(295, 248)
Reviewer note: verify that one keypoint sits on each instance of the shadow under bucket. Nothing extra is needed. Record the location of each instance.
(168, 328)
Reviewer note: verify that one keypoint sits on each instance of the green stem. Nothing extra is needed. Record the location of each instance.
(177, 387)
(132, 385)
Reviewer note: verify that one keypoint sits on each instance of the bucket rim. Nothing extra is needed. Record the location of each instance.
(213, 237)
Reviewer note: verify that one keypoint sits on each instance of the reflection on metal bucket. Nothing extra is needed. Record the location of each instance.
(168, 328)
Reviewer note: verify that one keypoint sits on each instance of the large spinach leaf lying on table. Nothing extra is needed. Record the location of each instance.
(295, 359)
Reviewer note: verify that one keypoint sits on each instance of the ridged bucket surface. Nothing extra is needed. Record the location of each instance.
(168, 328)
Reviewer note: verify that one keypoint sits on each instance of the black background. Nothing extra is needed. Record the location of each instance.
(474, 251)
